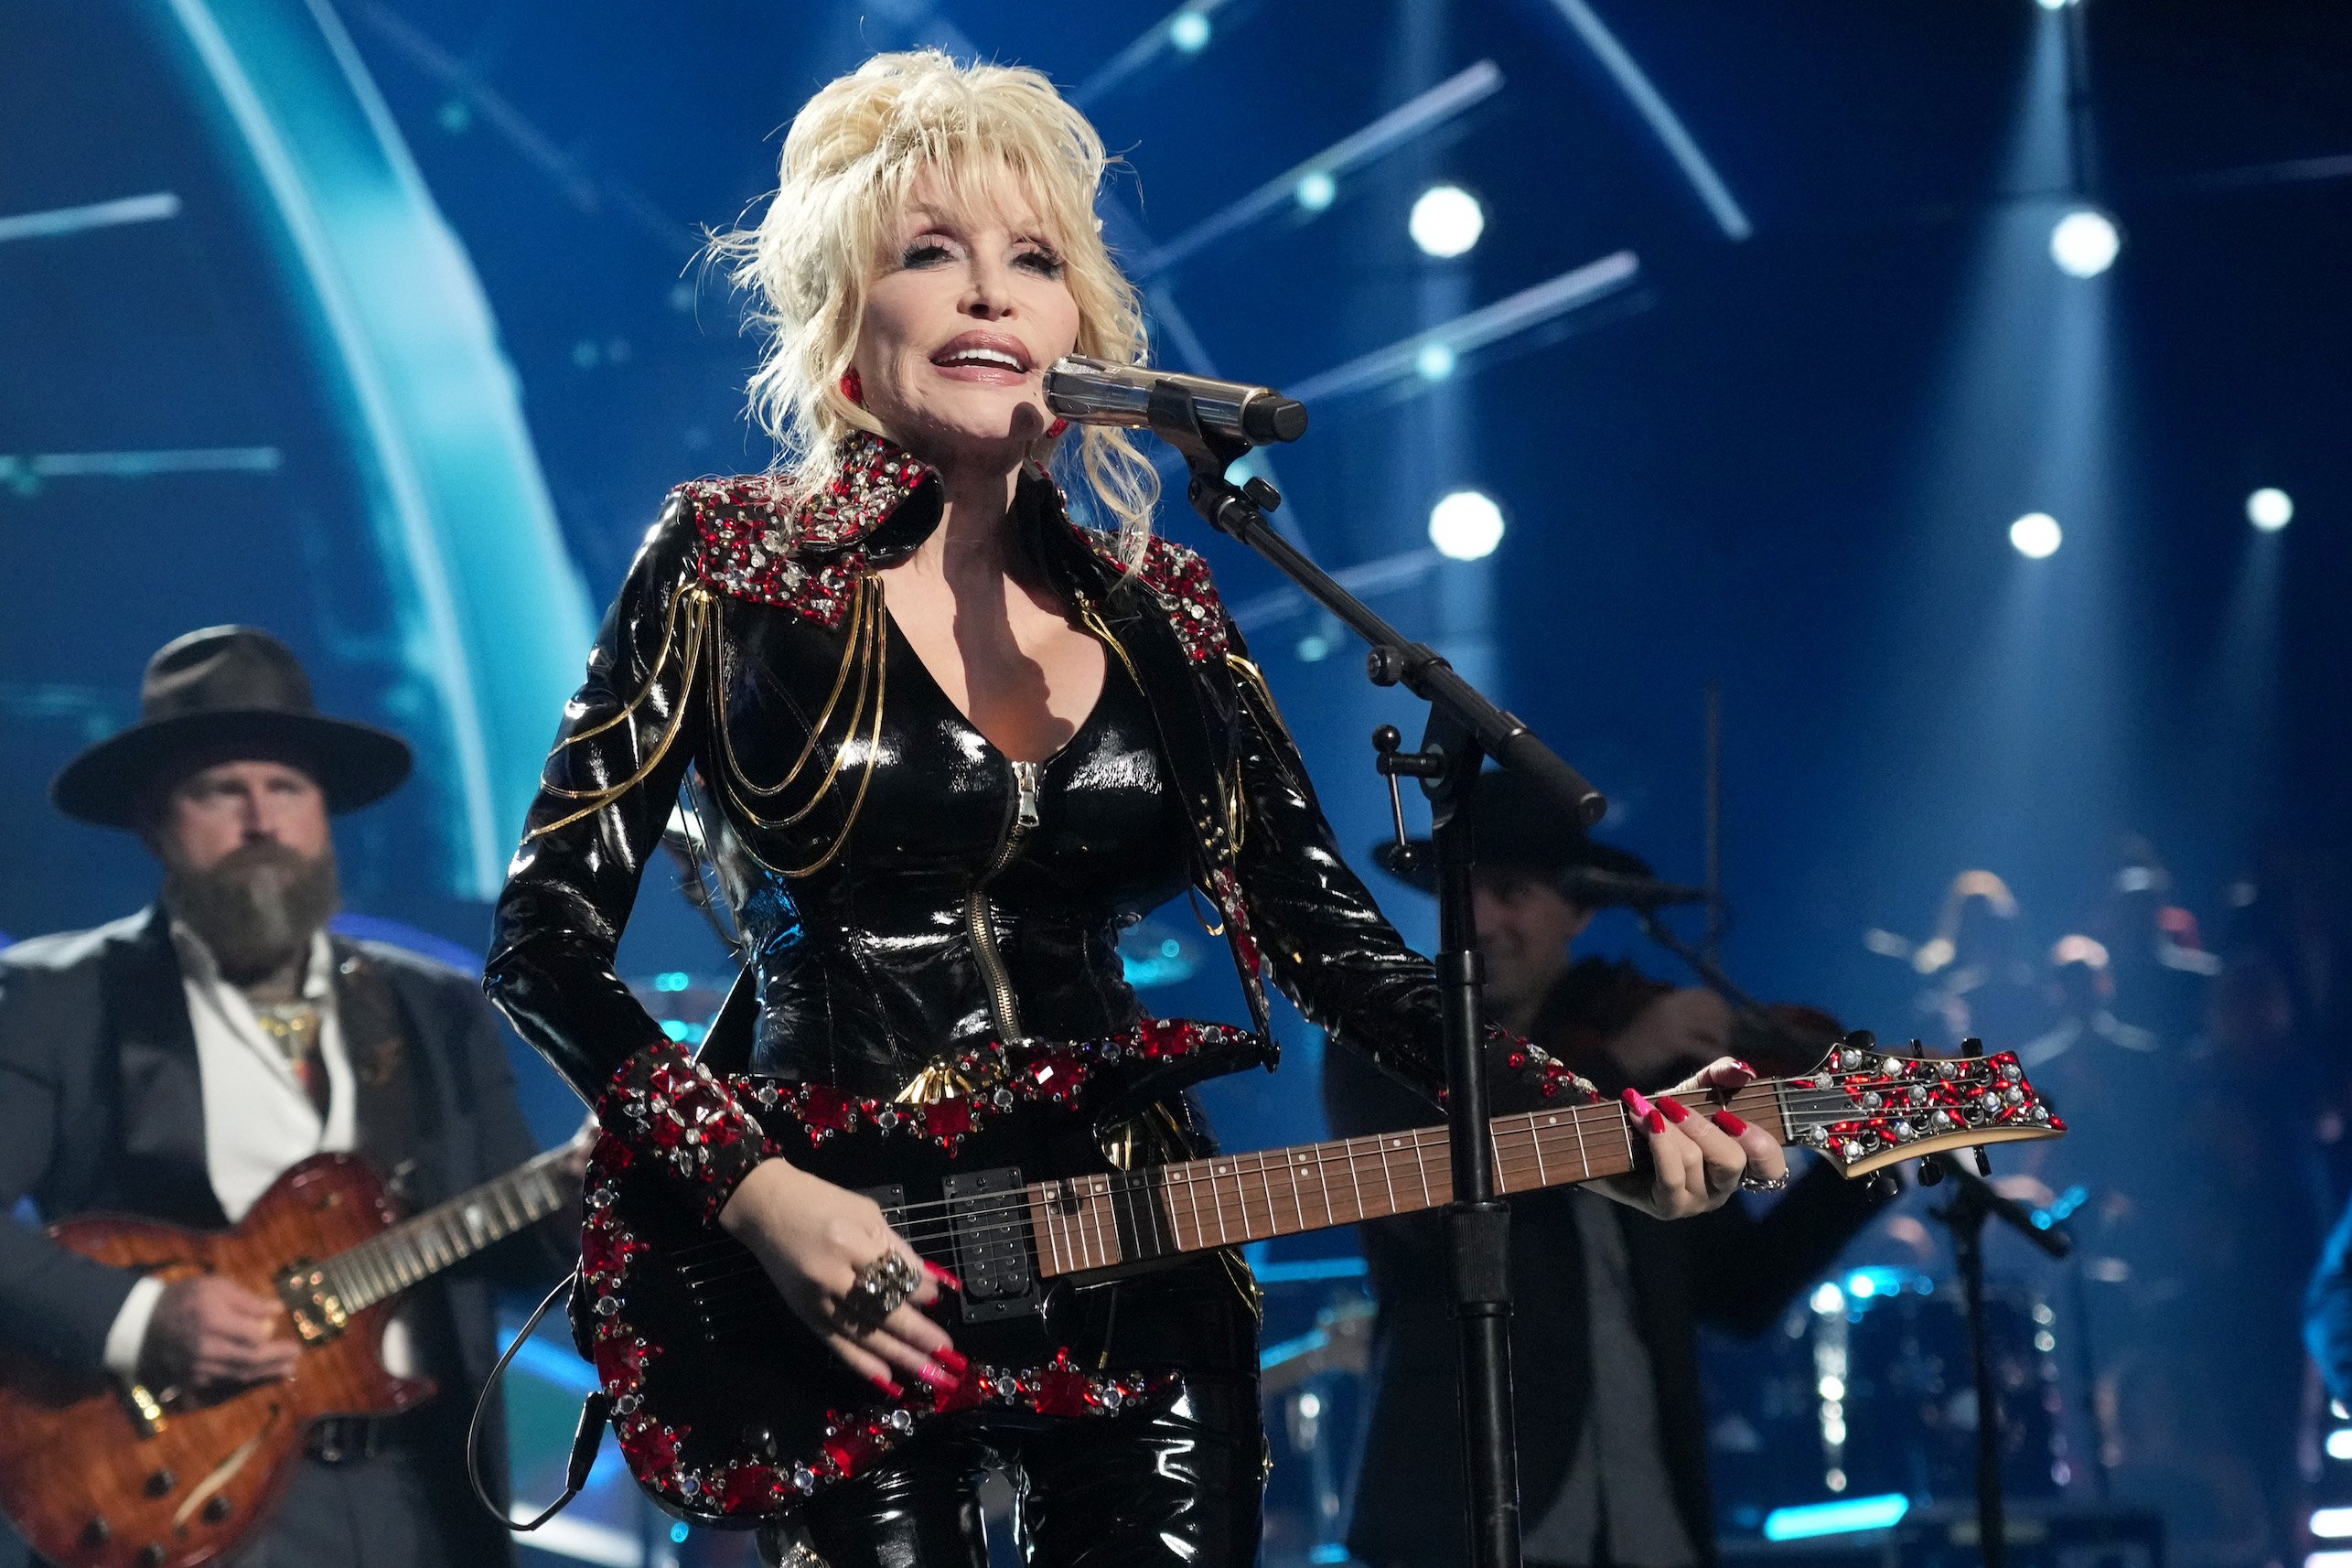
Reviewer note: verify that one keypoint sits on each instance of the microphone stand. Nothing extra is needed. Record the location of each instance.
(1974, 1201)
(1463, 729)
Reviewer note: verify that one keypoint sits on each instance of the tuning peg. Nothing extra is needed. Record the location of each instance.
(1859, 1040)
(1931, 1171)
(1885, 1186)
(1983, 1160)
(1971, 1047)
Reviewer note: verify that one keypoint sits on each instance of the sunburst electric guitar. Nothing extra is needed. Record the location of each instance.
(98, 1475)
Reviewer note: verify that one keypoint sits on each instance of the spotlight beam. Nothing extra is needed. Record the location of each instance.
(1392, 130)
(139, 465)
(1382, 575)
(1663, 122)
(61, 221)
(1157, 40)
(1463, 335)
(583, 189)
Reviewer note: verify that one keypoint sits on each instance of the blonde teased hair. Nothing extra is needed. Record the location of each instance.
(850, 162)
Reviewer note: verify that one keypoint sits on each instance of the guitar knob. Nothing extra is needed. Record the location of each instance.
(161, 1483)
(97, 1532)
(152, 1555)
(216, 1507)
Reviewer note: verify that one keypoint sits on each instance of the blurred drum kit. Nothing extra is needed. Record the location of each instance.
(1866, 1390)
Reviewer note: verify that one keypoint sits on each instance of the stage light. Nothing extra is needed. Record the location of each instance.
(1434, 362)
(1316, 190)
(2269, 509)
(2085, 242)
(1314, 648)
(2054, 4)
(2340, 1443)
(2328, 1560)
(1189, 30)
(1466, 525)
(1828, 1299)
(1839, 1517)
(1446, 221)
(2035, 536)
(2331, 1524)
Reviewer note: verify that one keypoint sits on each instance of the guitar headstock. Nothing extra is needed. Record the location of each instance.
(1863, 1107)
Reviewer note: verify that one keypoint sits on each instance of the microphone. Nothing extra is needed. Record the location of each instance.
(1094, 392)
(1597, 889)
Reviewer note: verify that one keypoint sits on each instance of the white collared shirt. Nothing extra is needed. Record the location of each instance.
(258, 1118)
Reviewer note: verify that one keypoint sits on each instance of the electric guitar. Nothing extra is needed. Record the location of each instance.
(95, 1474)
(731, 1412)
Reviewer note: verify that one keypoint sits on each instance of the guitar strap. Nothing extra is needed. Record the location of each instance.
(388, 1113)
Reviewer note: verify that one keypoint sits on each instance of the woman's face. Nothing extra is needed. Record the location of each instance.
(967, 312)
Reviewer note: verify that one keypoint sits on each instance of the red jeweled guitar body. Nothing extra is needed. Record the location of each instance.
(730, 1411)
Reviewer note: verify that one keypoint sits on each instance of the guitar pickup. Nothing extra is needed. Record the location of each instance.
(988, 1216)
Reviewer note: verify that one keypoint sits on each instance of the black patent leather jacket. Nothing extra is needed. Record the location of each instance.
(879, 855)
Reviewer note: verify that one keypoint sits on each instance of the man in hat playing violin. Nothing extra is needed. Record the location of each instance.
(173, 1064)
(1612, 1450)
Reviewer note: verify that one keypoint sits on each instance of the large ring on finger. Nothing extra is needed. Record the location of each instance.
(882, 1287)
(1748, 1182)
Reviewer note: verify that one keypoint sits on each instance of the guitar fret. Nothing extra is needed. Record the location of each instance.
(1099, 1204)
(1355, 1173)
(1421, 1170)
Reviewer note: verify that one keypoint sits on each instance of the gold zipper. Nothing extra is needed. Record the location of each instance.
(1026, 777)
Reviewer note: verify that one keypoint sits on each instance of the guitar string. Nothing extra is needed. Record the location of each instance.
(1338, 1152)
(724, 1287)
(1604, 1117)
(1797, 1102)
(746, 1284)
(1516, 1162)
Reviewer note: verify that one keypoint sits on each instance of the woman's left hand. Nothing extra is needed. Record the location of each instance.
(1696, 1161)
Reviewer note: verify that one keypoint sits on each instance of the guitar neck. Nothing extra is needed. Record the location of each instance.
(386, 1264)
(1089, 1223)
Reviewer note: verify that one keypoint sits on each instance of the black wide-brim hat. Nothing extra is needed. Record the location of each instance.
(227, 694)
(1514, 824)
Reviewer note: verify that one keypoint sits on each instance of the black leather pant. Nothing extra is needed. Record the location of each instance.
(1174, 1483)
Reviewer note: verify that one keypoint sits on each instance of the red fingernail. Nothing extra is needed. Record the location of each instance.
(1634, 1098)
(1728, 1123)
(951, 1359)
(1676, 1112)
(887, 1387)
(1657, 1123)
(945, 1276)
(937, 1377)
(1744, 1066)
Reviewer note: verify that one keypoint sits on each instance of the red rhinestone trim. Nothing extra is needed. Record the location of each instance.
(665, 1106)
(1181, 579)
(1002, 1079)
(853, 1440)
(751, 548)
(1897, 1100)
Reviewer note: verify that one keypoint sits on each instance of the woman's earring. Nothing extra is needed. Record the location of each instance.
(1056, 427)
(852, 387)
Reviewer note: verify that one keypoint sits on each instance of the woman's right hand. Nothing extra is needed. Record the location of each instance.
(813, 1239)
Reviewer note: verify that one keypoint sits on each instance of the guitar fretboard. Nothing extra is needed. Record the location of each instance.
(385, 1265)
(1097, 1222)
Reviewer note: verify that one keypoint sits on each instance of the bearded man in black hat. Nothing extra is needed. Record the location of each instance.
(175, 1063)
(1612, 1433)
